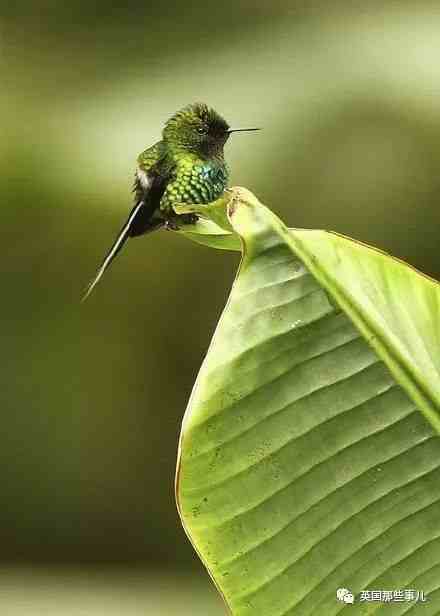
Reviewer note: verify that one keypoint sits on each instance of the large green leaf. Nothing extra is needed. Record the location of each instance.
(309, 457)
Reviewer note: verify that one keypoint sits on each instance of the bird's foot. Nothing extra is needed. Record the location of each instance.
(175, 223)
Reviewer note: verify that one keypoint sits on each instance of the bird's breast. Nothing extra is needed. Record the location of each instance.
(195, 182)
(206, 182)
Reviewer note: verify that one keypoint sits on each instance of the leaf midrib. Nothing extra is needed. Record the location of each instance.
(406, 375)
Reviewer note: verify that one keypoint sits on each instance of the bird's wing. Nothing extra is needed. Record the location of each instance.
(148, 187)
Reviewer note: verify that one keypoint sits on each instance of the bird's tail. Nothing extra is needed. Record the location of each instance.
(123, 235)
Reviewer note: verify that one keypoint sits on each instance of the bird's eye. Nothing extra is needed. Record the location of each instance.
(201, 130)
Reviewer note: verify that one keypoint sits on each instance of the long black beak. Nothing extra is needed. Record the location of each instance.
(241, 130)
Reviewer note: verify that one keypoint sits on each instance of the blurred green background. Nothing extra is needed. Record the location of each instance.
(92, 395)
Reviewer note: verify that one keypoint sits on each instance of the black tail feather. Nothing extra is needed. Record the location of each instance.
(129, 229)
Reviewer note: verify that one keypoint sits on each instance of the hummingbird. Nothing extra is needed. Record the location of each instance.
(186, 167)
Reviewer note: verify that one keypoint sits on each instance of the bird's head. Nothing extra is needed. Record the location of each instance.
(199, 129)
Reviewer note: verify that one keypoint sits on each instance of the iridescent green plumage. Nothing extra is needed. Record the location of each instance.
(187, 166)
(195, 182)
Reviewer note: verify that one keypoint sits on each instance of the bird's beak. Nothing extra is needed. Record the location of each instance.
(240, 130)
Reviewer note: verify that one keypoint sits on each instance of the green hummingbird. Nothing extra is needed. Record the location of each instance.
(186, 167)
